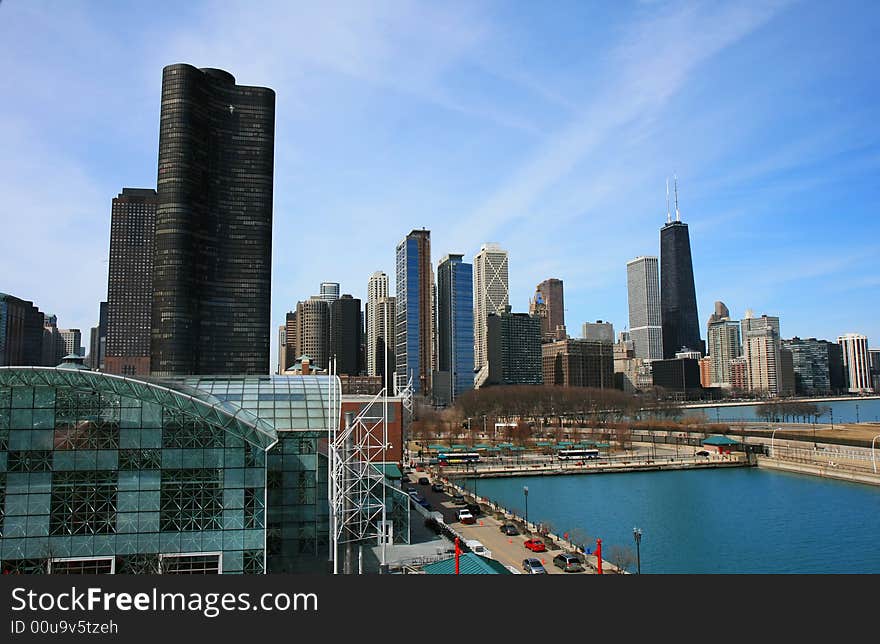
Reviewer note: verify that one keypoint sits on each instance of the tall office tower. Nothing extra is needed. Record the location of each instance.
(213, 255)
(21, 333)
(130, 281)
(643, 293)
(383, 350)
(678, 298)
(346, 330)
(54, 348)
(282, 348)
(72, 341)
(725, 344)
(812, 373)
(313, 331)
(855, 361)
(455, 329)
(491, 294)
(578, 363)
(377, 288)
(414, 334)
(513, 349)
(549, 305)
(598, 331)
(329, 291)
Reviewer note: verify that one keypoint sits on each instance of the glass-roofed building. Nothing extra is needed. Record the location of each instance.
(102, 473)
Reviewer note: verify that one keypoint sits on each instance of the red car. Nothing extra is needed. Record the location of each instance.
(535, 545)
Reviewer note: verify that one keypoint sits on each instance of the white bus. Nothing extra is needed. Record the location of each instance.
(577, 454)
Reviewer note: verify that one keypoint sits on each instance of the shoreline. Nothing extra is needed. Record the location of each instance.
(755, 403)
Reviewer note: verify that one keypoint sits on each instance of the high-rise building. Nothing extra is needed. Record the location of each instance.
(130, 281)
(386, 320)
(810, 363)
(455, 329)
(346, 332)
(643, 293)
(739, 374)
(578, 363)
(549, 305)
(329, 291)
(677, 374)
(282, 348)
(54, 347)
(874, 364)
(598, 331)
(414, 335)
(72, 339)
(761, 348)
(706, 372)
(678, 298)
(21, 333)
(377, 288)
(854, 347)
(491, 294)
(725, 344)
(513, 349)
(213, 254)
(291, 334)
(313, 331)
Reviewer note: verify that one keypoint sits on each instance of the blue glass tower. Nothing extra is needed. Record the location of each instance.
(455, 329)
(414, 328)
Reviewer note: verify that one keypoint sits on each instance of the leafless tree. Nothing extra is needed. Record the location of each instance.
(622, 557)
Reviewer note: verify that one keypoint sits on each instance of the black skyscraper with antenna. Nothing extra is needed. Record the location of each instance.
(678, 298)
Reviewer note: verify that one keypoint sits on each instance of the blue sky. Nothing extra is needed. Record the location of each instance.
(547, 127)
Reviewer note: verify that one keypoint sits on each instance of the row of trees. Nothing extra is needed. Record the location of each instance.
(783, 410)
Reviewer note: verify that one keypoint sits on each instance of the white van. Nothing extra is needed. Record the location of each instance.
(478, 548)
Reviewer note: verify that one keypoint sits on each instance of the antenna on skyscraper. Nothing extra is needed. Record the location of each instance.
(677, 214)
(668, 216)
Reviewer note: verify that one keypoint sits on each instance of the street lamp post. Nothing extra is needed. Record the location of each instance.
(526, 494)
(637, 535)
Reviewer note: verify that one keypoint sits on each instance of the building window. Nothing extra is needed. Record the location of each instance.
(190, 564)
(184, 431)
(191, 499)
(83, 503)
(139, 564)
(140, 459)
(253, 507)
(83, 566)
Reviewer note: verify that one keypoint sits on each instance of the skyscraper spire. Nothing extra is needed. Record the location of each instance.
(668, 216)
(677, 214)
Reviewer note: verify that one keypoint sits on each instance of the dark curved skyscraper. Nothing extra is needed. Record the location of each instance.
(213, 254)
(678, 298)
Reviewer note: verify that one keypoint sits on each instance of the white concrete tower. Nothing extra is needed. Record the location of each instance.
(377, 289)
(491, 294)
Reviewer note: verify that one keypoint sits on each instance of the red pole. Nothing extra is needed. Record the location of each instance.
(457, 554)
(599, 556)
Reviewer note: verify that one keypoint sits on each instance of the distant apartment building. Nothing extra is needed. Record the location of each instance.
(724, 344)
(313, 331)
(345, 334)
(854, 347)
(72, 339)
(578, 363)
(54, 347)
(810, 364)
(513, 343)
(739, 374)
(706, 372)
(643, 294)
(377, 289)
(491, 294)
(874, 363)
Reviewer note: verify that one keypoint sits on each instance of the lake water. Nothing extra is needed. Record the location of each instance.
(743, 520)
(843, 411)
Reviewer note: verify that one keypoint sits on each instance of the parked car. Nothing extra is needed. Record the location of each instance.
(474, 509)
(702, 452)
(534, 567)
(458, 499)
(478, 548)
(438, 487)
(464, 516)
(568, 562)
(509, 529)
(423, 480)
(535, 545)
(418, 498)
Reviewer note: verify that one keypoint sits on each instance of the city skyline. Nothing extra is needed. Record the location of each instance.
(759, 205)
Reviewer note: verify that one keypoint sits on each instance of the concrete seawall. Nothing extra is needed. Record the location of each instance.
(637, 466)
(823, 471)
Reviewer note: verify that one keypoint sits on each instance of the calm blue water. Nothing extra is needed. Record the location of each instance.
(844, 411)
(743, 520)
